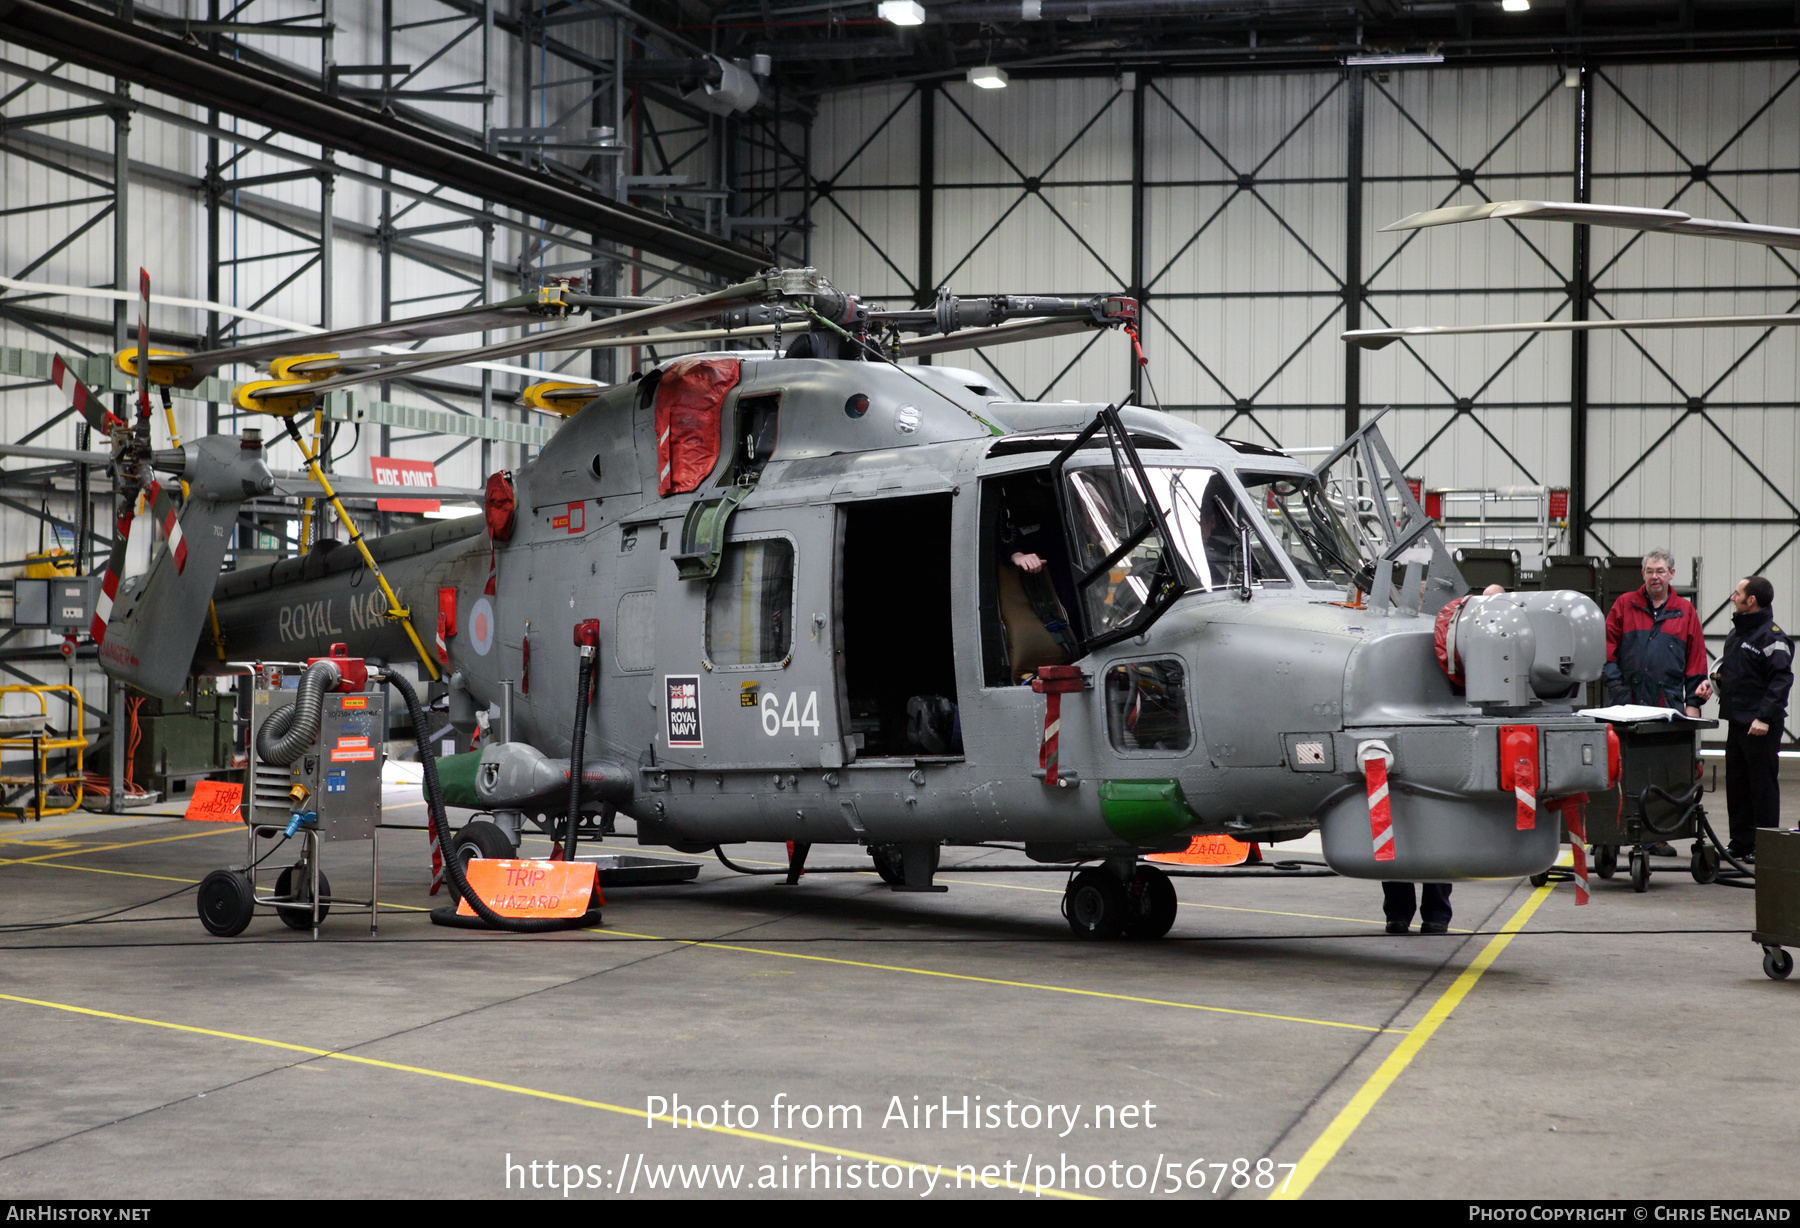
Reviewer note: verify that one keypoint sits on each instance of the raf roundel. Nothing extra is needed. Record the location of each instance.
(481, 626)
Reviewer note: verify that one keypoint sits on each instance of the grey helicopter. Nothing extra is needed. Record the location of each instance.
(816, 593)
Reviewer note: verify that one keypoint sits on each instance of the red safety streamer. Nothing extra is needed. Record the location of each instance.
(1519, 771)
(1575, 818)
(1375, 758)
(1053, 682)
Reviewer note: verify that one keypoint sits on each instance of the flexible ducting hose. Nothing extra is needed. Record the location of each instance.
(440, 825)
(285, 736)
(583, 679)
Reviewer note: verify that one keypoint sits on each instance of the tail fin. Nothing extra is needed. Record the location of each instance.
(156, 619)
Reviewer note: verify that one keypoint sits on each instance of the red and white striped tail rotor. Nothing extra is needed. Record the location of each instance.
(166, 514)
(81, 399)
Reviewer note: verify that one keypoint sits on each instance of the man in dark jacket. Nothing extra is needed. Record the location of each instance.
(1655, 652)
(1755, 672)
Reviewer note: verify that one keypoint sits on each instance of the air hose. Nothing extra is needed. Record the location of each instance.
(440, 826)
(287, 733)
(583, 680)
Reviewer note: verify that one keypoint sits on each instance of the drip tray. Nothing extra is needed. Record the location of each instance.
(630, 870)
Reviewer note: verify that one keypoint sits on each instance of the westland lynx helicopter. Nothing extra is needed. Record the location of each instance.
(809, 594)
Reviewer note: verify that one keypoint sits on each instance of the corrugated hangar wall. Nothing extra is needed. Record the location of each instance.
(1244, 247)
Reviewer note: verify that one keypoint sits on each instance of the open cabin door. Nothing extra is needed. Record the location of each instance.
(1126, 573)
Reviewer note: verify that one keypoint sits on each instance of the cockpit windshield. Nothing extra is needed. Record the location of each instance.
(1307, 526)
(1204, 519)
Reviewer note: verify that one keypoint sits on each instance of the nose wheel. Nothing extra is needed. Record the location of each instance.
(1098, 904)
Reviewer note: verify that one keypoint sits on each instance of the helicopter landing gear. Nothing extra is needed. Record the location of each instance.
(482, 839)
(906, 867)
(1096, 904)
(1150, 903)
(1120, 902)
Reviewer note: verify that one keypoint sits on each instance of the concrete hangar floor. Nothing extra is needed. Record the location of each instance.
(1617, 1050)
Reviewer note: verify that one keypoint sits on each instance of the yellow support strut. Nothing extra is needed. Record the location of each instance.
(395, 610)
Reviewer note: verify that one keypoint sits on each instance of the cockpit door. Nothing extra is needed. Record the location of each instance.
(1126, 572)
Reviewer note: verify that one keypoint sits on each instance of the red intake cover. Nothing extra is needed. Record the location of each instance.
(688, 398)
(498, 505)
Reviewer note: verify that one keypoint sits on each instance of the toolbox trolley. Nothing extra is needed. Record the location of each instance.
(1658, 798)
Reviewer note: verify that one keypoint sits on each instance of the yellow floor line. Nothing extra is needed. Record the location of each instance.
(234, 829)
(517, 1090)
(989, 980)
(1345, 1123)
(63, 865)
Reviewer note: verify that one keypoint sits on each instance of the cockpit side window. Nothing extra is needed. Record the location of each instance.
(1147, 706)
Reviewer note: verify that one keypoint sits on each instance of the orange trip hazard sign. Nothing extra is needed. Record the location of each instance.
(518, 888)
(215, 801)
(1208, 851)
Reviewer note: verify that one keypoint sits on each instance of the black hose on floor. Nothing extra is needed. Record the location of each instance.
(584, 677)
(440, 826)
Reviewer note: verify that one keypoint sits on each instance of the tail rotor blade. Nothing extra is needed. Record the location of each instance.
(115, 567)
(81, 399)
(166, 515)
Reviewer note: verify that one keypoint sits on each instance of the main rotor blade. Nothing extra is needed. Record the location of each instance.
(1378, 338)
(299, 482)
(525, 309)
(97, 460)
(999, 334)
(1628, 217)
(576, 337)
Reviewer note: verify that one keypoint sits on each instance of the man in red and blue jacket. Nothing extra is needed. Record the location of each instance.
(1655, 651)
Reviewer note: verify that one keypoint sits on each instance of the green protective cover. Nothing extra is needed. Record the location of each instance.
(1143, 810)
(703, 534)
(456, 774)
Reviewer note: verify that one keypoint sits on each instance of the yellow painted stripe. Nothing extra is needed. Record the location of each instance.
(130, 844)
(989, 980)
(517, 1090)
(1345, 1123)
(63, 865)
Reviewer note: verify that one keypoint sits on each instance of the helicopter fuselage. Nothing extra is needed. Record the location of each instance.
(845, 675)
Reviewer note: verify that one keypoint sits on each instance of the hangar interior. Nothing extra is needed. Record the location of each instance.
(281, 167)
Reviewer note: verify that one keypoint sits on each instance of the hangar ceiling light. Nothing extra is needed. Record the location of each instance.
(902, 12)
(988, 77)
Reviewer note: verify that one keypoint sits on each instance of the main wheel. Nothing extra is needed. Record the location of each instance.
(482, 839)
(300, 892)
(1777, 963)
(1096, 904)
(226, 902)
(1540, 878)
(1640, 870)
(1606, 860)
(1150, 904)
(890, 863)
(1704, 865)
